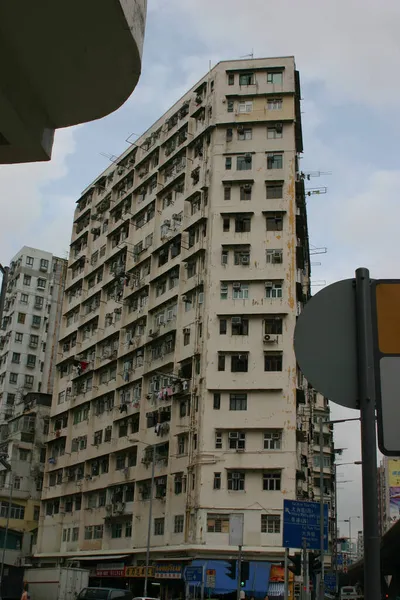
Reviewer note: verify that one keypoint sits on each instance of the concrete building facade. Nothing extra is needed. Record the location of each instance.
(28, 349)
(189, 264)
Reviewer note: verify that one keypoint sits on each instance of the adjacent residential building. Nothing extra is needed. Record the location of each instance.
(28, 354)
(189, 265)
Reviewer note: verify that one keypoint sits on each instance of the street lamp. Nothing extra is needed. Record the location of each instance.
(153, 464)
(349, 522)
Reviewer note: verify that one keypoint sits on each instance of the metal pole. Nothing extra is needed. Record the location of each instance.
(239, 568)
(203, 582)
(336, 531)
(372, 576)
(146, 576)
(286, 580)
(350, 552)
(321, 508)
(3, 557)
(306, 577)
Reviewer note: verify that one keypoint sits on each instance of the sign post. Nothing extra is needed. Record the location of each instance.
(347, 346)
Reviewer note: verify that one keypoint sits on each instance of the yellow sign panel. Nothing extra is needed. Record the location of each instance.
(394, 472)
(388, 317)
(138, 571)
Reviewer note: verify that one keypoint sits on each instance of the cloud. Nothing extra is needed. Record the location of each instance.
(31, 214)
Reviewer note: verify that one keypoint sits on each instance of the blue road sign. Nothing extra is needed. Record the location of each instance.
(301, 522)
(194, 574)
(330, 581)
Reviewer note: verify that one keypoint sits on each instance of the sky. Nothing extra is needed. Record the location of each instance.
(348, 55)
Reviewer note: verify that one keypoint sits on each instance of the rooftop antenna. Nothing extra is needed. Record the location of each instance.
(251, 55)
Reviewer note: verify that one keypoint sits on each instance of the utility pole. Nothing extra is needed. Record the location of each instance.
(286, 575)
(146, 577)
(239, 571)
(321, 508)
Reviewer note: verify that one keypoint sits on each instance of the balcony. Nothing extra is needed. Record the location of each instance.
(108, 41)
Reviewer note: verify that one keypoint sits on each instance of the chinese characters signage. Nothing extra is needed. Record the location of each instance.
(301, 524)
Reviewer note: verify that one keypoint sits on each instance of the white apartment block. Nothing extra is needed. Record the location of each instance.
(28, 352)
(189, 264)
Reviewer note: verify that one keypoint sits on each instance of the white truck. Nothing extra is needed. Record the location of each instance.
(59, 583)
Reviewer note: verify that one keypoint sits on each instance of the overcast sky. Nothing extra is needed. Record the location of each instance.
(348, 55)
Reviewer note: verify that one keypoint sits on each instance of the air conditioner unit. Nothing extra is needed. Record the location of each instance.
(240, 129)
(233, 435)
(269, 284)
(269, 339)
(245, 260)
(186, 330)
(247, 157)
(235, 475)
(236, 285)
(247, 187)
(236, 320)
(94, 217)
(120, 170)
(278, 127)
(95, 230)
(277, 255)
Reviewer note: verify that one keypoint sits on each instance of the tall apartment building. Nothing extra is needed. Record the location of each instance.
(189, 264)
(28, 348)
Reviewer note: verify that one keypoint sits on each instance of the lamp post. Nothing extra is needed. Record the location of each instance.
(349, 522)
(148, 542)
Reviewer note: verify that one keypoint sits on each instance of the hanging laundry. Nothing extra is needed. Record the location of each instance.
(157, 428)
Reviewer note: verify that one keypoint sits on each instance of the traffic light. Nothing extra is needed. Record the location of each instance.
(295, 567)
(314, 563)
(231, 569)
(244, 572)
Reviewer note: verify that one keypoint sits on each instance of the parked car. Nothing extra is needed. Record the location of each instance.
(94, 593)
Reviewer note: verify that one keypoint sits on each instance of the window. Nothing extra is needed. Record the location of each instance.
(229, 134)
(245, 192)
(41, 283)
(240, 291)
(273, 326)
(16, 357)
(221, 362)
(44, 264)
(274, 104)
(217, 481)
(275, 77)
(27, 280)
(272, 439)
(181, 439)
(21, 318)
(98, 532)
(238, 402)
(245, 133)
(218, 440)
(186, 336)
(273, 289)
(29, 379)
(75, 534)
(244, 162)
(237, 440)
(236, 481)
(222, 326)
(116, 530)
(159, 526)
(228, 163)
(24, 298)
(274, 222)
(178, 523)
(246, 79)
(17, 483)
(241, 257)
(274, 190)
(227, 192)
(245, 107)
(240, 326)
(31, 360)
(274, 257)
(29, 261)
(19, 337)
(274, 161)
(10, 399)
(13, 378)
(33, 341)
(272, 361)
(128, 529)
(216, 401)
(272, 481)
(224, 257)
(217, 523)
(275, 132)
(36, 320)
(39, 302)
(326, 461)
(239, 363)
(224, 291)
(24, 454)
(179, 484)
(226, 224)
(270, 524)
(231, 78)
(230, 106)
(242, 224)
